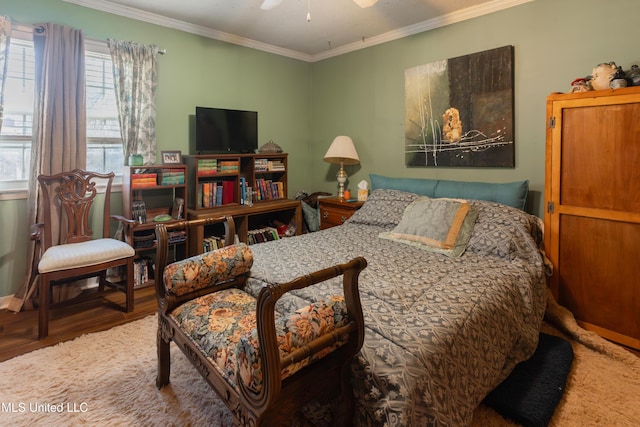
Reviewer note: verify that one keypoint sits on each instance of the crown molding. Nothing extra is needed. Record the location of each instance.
(431, 24)
(441, 21)
(176, 24)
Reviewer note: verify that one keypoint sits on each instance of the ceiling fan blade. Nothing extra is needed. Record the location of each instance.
(365, 3)
(269, 4)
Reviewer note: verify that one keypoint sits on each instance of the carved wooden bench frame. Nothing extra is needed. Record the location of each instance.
(278, 401)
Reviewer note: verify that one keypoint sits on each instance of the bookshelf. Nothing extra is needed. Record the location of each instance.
(221, 180)
(148, 192)
(214, 181)
(251, 222)
(269, 176)
(255, 222)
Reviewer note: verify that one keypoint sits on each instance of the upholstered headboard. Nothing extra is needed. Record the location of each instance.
(510, 193)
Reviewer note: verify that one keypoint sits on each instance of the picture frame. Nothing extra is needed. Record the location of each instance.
(171, 157)
(459, 112)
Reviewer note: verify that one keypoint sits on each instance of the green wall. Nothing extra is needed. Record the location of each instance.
(15, 235)
(361, 94)
(304, 106)
(195, 71)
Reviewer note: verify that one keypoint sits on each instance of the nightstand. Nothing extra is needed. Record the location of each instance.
(334, 211)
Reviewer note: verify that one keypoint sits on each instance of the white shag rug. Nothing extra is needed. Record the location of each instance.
(108, 379)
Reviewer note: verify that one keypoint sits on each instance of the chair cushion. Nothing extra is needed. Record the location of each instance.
(91, 252)
(223, 326)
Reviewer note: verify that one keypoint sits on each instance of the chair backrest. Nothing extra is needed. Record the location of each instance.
(72, 194)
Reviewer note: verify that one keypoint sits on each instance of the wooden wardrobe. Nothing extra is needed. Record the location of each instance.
(592, 217)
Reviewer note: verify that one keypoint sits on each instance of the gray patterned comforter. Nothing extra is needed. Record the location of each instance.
(440, 332)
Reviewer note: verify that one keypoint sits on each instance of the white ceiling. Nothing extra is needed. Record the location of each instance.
(336, 26)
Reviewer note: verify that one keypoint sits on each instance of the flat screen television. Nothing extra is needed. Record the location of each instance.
(221, 130)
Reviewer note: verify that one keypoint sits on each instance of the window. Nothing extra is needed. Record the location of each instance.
(104, 145)
(15, 138)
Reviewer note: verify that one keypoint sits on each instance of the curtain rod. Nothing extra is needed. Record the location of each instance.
(39, 29)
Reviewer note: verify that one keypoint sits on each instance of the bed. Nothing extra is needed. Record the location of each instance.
(442, 330)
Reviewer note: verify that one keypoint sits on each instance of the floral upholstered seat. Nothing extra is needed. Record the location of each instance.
(223, 326)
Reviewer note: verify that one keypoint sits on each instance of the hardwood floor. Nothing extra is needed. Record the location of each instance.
(19, 331)
(89, 313)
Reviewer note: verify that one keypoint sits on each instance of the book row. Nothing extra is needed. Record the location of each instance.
(268, 165)
(177, 236)
(211, 194)
(208, 167)
(266, 189)
(142, 271)
(260, 235)
(144, 180)
(139, 211)
(167, 177)
(212, 243)
(144, 240)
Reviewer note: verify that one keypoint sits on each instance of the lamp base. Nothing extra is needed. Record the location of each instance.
(342, 179)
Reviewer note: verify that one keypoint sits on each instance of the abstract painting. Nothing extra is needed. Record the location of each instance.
(459, 111)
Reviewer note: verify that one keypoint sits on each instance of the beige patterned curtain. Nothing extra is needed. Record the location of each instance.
(135, 71)
(5, 36)
(59, 127)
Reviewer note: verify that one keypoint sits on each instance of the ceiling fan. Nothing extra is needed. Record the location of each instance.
(270, 4)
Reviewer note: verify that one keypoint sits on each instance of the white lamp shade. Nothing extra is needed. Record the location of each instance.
(342, 150)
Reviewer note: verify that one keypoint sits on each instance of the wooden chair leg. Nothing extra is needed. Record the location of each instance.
(102, 279)
(129, 287)
(164, 361)
(43, 310)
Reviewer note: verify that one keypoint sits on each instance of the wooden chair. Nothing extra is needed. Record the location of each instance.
(262, 383)
(77, 255)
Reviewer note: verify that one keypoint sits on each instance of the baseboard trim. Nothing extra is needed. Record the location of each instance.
(91, 282)
(4, 302)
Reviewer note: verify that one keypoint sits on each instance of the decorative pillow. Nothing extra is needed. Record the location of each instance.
(383, 208)
(207, 269)
(425, 187)
(437, 225)
(510, 193)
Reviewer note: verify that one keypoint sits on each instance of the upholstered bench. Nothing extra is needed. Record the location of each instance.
(264, 365)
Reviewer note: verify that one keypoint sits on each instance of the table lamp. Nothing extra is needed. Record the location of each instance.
(342, 152)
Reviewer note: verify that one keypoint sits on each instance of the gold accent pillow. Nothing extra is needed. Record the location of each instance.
(438, 225)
